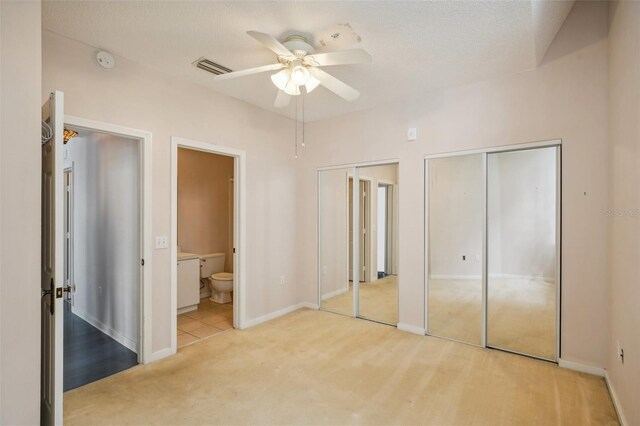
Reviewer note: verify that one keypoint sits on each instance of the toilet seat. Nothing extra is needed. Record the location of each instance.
(222, 276)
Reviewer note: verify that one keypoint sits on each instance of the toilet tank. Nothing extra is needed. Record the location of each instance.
(211, 264)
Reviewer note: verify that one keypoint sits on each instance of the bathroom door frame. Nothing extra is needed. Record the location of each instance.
(144, 347)
(557, 143)
(239, 229)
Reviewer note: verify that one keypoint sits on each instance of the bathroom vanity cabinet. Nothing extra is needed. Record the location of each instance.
(188, 282)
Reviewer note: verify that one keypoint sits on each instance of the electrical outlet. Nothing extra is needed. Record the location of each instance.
(162, 242)
(282, 280)
(464, 257)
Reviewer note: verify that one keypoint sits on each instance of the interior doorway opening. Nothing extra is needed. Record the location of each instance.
(59, 261)
(221, 255)
(205, 260)
(102, 255)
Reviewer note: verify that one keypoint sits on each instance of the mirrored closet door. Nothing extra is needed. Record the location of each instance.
(493, 248)
(455, 225)
(377, 236)
(358, 241)
(522, 211)
(334, 200)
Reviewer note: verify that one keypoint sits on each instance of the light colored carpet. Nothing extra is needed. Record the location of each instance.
(378, 300)
(521, 317)
(314, 367)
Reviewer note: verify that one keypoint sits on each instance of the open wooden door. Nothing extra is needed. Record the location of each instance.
(51, 374)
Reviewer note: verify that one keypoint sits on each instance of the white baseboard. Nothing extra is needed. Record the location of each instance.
(583, 368)
(411, 329)
(276, 314)
(334, 293)
(114, 334)
(616, 401)
(187, 309)
(162, 353)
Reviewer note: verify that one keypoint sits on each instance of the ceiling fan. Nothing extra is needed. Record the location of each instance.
(298, 66)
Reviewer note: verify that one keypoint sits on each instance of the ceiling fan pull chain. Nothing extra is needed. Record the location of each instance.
(296, 134)
(302, 96)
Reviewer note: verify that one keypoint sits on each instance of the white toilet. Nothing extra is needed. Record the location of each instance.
(220, 282)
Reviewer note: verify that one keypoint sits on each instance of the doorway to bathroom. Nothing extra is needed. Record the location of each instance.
(207, 228)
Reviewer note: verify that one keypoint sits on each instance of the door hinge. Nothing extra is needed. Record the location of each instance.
(142, 262)
(234, 249)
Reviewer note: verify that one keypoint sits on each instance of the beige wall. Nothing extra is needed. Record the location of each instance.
(624, 206)
(566, 97)
(205, 203)
(136, 96)
(20, 66)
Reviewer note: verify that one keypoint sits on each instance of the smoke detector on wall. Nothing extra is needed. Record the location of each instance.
(105, 60)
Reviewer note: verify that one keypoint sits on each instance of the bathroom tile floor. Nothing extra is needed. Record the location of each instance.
(208, 320)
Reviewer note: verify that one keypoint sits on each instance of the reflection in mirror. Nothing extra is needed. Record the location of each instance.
(336, 294)
(522, 226)
(455, 214)
(378, 243)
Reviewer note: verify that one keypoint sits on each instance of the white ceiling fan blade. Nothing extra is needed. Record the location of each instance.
(341, 57)
(249, 71)
(282, 99)
(341, 89)
(272, 44)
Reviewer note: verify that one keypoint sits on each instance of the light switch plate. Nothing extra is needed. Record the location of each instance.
(162, 242)
(412, 134)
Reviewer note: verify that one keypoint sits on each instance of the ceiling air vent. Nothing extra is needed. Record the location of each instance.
(210, 66)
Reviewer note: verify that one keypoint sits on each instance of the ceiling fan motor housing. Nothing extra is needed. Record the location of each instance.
(298, 45)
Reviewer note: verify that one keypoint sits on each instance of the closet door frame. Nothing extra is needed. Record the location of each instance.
(557, 143)
(355, 173)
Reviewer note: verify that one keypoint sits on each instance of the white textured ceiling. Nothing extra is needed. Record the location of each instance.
(416, 46)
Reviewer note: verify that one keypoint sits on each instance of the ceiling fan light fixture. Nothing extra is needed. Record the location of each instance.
(311, 84)
(300, 75)
(281, 79)
(292, 89)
